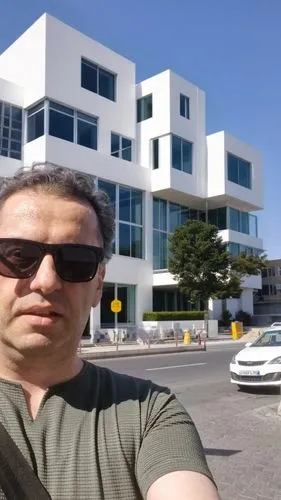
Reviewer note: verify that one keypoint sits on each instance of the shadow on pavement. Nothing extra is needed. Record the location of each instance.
(215, 452)
(260, 390)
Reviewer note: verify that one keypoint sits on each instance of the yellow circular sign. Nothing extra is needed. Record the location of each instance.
(116, 306)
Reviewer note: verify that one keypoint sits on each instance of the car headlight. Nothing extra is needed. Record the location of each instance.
(275, 361)
(233, 360)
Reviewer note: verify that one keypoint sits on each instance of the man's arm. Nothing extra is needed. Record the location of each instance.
(183, 485)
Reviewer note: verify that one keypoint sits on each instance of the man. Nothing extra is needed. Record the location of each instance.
(87, 433)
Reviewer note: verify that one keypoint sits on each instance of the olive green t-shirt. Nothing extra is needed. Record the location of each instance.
(102, 435)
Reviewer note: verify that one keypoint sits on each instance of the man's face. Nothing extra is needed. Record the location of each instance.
(46, 218)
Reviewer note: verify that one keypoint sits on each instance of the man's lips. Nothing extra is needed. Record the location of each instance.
(41, 311)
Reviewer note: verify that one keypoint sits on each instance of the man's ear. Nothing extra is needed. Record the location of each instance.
(99, 286)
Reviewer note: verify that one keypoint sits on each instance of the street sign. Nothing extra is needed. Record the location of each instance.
(116, 306)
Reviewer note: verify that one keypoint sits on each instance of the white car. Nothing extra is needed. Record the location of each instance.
(277, 323)
(259, 363)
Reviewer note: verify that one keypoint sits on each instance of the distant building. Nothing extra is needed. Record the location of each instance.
(268, 299)
(68, 100)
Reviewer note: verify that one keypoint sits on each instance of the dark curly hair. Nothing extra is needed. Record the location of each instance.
(68, 183)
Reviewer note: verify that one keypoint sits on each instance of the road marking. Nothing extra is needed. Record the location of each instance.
(175, 366)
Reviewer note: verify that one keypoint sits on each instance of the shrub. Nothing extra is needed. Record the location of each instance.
(244, 317)
(225, 318)
(173, 315)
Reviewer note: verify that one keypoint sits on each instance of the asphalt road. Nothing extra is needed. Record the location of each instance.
(185, 371)
(238, 429)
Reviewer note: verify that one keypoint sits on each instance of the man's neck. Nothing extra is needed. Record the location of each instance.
(37, 375)
(42, 371)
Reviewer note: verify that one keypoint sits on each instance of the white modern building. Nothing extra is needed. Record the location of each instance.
(68, 100)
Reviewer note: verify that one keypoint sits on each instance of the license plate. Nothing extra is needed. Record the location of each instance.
(253, 373)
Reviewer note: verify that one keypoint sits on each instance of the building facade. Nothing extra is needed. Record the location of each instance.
(267, 301)
(76, 103)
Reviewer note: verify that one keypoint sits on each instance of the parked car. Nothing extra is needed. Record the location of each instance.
(259, 363)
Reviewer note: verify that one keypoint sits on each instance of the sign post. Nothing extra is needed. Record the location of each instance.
(116, 307)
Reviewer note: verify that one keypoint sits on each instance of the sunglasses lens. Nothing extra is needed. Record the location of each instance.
(18, 259)
(77, 264)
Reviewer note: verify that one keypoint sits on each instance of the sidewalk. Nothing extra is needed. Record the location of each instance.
(88, 351)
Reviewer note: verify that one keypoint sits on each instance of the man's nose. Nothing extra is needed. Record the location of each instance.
(46, 278)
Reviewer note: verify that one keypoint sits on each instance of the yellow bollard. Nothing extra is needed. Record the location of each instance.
(186, 337)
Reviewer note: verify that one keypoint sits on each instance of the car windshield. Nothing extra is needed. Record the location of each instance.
(268, 339)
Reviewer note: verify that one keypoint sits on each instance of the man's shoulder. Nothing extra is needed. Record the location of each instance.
(119, 387)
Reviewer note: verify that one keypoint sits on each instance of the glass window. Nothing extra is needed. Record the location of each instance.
(184, 106)
(244, 173)
(234, 219)
(124, 239)
(89, 76)
(98, 80)
(10, 131)
(110, 189)
(136, 207)
(124, 204)
(181, 154)
(121, 147)
(106, 81)
(136, 242)
(155, 154)
(160, 214)
(176, 152)
(144, 108)
(217, 217)
(61, 122)
(126, 148)
(160, 250)
(115, 144)
(253, 225)
(174, 216)
(233, 249)
(238, 171)
(244, 222)
(86, 130)
(35, 122)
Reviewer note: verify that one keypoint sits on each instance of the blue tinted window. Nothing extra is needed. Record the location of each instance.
(239, 171)
(234, 219)
(10, 131)
(155, 154)
(124, 204)
(144, 108)
(121, 147)
(159, 214)
(110, 189)
(106, 83)
(98, 80)
(124, 239)
(87, 131)
(136, 207)
(184, 106)
(61, 122)
(181, 154)
(136, 242)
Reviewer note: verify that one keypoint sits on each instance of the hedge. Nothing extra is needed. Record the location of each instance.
(173, 315)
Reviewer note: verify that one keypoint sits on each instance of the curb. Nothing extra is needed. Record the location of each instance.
(135, 352)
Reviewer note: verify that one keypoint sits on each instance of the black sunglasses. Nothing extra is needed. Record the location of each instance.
(73, 262)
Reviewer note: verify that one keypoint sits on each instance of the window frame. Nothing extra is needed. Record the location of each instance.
(120, 147)
(141, 100)
(98, 67)
(182, 141)
(186, 105)
(230, 156)
(13, 153)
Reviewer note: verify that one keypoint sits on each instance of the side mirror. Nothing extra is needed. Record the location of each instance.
(248, 344)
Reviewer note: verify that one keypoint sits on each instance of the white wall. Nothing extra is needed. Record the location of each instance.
(11, 93)
(218, 145)
(63, 80)
(23, 63)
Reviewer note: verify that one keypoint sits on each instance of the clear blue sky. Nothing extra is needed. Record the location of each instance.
(229, 48)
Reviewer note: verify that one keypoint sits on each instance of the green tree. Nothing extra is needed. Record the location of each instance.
(202, 265)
